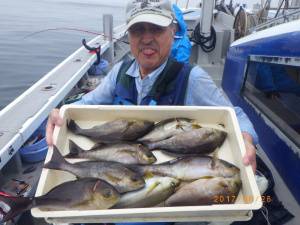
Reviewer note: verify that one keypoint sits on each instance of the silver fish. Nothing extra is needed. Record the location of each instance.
(113, 131)
(83, 194)
(189, 168)
(127, 153)
(217, 190)
(198, 141)
(156, 190)
(168, 128)
(116, 174)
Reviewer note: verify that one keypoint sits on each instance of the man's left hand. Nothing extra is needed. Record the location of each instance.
(250, 157)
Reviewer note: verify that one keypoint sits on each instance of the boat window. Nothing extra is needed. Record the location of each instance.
(275, 90)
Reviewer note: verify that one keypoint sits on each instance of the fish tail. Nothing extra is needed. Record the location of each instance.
(11, 206)
(57, 161)
(75, 150)
(150, 146)
(136, 168)
(72, 126)
(223, 136)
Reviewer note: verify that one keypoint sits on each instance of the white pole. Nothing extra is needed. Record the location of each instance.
(206, 17)
(187, 4)
(108, 32)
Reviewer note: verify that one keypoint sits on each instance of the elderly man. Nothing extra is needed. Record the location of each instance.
(153, 78)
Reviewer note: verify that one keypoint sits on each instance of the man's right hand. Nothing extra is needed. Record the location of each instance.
(53, 120)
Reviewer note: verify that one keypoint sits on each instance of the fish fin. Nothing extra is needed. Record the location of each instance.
(129, 124)
(222, 137)
(56, 161)
(150, 146)
(163, 122)
(213, 162)
(148, 174)
(196, 126)
(96, 185)
(215, 155)
(129, 152)
(112, 178)
(178, 124)
(153, 186)
(74, 149)
(97, 145)
(223, 184)
(206, 177)
(11, 206)
(136, 168)
(214, 159)
(73, 126)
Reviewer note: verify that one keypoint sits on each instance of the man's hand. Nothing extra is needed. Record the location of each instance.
(250, 157)
(53, 120)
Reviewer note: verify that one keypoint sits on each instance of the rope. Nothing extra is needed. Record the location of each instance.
(207, 44)
(265, 213)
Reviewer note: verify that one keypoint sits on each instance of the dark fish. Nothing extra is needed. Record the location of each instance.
(168, 128)
(217, 190)
(83, 194)
(127, 153)
(198, 141)
(113, 131)
(116, 174)
(189, 168)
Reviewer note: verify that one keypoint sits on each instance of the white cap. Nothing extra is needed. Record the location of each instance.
(158, 12)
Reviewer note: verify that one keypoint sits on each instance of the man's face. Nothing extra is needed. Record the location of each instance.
(150, 44)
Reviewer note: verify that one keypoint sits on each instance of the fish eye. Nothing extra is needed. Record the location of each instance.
(107, 193)
(173, 185)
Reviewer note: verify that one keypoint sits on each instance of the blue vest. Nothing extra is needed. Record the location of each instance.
(168, 89)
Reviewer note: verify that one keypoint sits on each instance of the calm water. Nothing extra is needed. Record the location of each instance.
(25, 61)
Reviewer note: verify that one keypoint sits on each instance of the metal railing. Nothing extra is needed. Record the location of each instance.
(294, 15)
(186, 3)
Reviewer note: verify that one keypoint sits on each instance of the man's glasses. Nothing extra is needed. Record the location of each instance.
(139, 29)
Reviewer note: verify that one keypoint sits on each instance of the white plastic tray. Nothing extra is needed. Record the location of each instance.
(232, 150)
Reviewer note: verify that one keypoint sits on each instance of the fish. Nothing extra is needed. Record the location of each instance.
(168, 128)
(189, 168)
(127, 153)
(216, 190)
(197, 141)
(82, 194)
(116, 174)
(114, 131)
(156, 190)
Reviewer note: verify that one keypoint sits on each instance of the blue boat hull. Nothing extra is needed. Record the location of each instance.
(286, 45)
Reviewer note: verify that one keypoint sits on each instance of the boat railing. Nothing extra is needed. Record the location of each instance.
(294, 15)
(23, 116)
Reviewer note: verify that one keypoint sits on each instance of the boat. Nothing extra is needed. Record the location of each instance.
(229, 63)
(276, 119)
